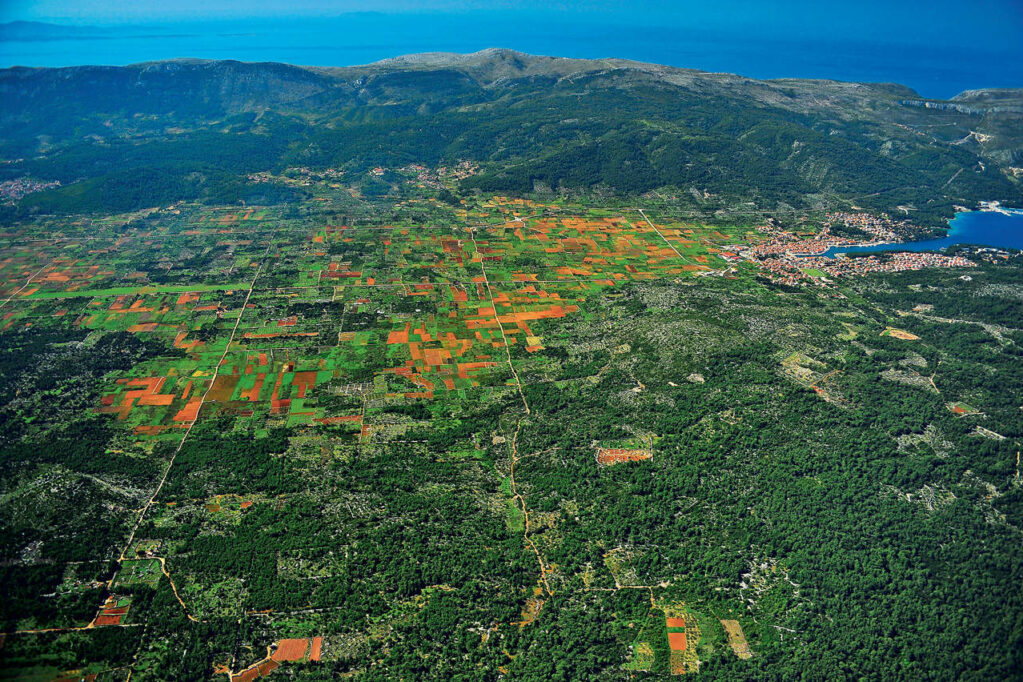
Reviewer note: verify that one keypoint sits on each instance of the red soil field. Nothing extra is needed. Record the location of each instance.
(609, 456)
(399, 336)
(675, 622)
(252, 394)
(314, 655)
(179, 341)
(291, 650)
(465, 367)
(189, 412)
(334, 271)
(108, 620)
(275, 396)
(304, 381)
(148, 394)
(152, 430)
(436, 356)
(255, 672)
(339, 420)
(165, 399)
(416, 395)
(677, 641)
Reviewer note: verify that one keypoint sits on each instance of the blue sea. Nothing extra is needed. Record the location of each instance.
(932, 69)
(978, 228)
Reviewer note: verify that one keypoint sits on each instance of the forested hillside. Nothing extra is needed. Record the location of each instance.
(534, 123)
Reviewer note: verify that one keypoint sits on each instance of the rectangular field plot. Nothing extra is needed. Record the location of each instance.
(138, 572)
(736, 638)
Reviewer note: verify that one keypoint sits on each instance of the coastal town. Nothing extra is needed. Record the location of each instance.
(793, 258)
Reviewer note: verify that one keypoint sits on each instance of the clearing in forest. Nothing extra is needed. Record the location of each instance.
(139, 571)
(642, 658)
(683, 636)
(611, 456)
(648, 652)
(961, 408)
(677, 644)
(899, 334)
(113, 611)
(737, 639)
(291, 650)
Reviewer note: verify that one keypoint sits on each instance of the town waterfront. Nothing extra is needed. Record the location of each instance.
(1002, 229)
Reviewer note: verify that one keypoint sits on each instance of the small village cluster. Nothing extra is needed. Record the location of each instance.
(425, 177)
(11, 191)
(299, 176)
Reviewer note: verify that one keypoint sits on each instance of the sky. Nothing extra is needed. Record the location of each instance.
(989, 21)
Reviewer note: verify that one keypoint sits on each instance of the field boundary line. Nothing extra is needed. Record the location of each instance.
(500, 325)
(27, 282)
(663, 238)
(518, 426)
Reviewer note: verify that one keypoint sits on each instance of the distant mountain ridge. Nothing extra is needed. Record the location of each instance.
(533, 121)
(38, 30)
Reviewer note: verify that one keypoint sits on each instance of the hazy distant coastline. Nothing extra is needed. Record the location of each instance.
(934, 71)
